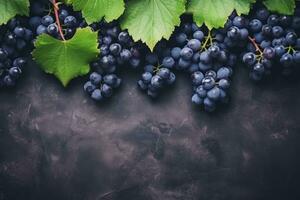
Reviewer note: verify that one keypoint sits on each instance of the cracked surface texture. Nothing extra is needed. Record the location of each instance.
(56, 143)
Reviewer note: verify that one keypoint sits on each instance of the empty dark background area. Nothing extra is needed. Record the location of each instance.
(56, 143)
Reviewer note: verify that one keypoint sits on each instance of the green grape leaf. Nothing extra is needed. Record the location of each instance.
(95, 10)
(243, 6)
(282, 6)
(66, 59)
(67, 1)
(152, 20)
(10, 8)
(214, 13)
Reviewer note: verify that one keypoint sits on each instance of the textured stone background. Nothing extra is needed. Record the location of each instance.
(57, 144)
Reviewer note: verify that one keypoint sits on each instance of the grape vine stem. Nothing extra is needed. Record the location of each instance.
(257, 48)
(157, 68)
(290, 49)
(208, 40)
(56, 9)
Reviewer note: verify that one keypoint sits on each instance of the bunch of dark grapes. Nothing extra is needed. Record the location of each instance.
(117, 49)
(100, 87)
(157, 73)
(212, 80)
(15, 45)
(204, 55)
(235, 33)
(273, 41)
(210, 88)
(42, 19)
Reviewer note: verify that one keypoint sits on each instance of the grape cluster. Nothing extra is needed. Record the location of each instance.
(156, 76)
(235, 33)
(15, 45)
(273, 41)
(42, 19)
(206, 57)
(117, 49)
(100, 87)
(211, 88)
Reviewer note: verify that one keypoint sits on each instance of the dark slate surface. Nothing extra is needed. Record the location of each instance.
(57, 144)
